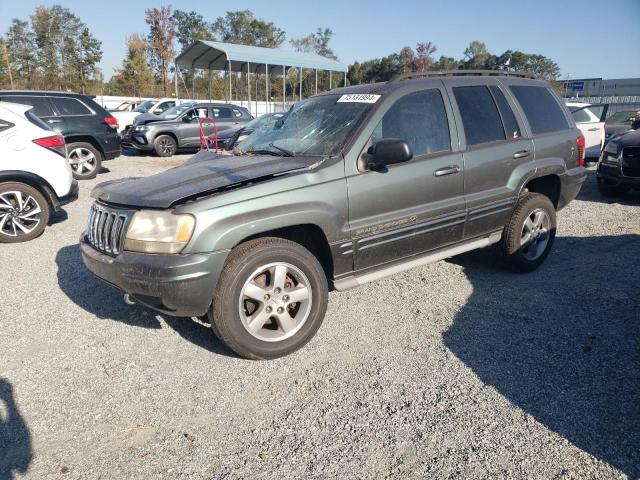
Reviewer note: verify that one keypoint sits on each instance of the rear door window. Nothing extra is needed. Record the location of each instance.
(41, 105)
(480, 117)
(541, 108)
(222, 112)
(67, 106)
(420, 119)
(237, 113)
(511, 128)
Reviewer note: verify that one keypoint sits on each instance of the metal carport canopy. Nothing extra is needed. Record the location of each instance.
(208, 55)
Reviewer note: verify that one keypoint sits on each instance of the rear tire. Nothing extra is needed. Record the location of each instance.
(611, 191)
(165, 146)
(85, 160)
(254, 310)
(24, 212)
(528, 237)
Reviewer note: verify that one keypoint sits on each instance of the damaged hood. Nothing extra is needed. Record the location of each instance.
(203, 174)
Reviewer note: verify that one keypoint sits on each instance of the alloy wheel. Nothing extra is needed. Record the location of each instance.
(166, 147)
(275, 302)
(20, 213)
(535, 234)
(82, 161)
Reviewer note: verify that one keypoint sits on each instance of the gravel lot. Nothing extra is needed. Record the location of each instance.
(457, 369)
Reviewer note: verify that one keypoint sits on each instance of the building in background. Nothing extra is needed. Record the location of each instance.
(599, 87)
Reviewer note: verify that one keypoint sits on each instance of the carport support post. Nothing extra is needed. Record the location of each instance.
(248, 89)
(266, 85)
(230, 94)
(316, 81)
(284, 88)
(175, 79)
(330, 79)
(300, 75)
(345, 78)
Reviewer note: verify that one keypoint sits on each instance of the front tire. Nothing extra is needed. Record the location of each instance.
(528, 237)
(24, 212)
(270, 300)
(85, 160)
(165, 146)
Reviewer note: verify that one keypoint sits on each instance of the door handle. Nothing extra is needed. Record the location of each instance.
(594, 129)
(450, 170)
(53, 120)
(521, 154)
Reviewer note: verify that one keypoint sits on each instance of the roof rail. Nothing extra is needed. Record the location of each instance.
(461, 73)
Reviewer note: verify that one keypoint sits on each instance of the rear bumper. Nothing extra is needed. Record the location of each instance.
(68, 198)
(178, 285)
(570, 183)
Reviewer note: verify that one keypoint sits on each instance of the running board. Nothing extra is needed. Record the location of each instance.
(353, 281)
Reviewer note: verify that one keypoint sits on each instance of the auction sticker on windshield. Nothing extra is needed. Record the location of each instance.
(359, 98)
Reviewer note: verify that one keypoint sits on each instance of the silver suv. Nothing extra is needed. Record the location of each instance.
(179, 127)
(351, 186)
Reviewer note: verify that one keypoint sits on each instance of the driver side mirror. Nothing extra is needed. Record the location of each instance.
(388, 151)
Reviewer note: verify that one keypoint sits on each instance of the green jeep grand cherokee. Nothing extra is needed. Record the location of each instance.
(353, 185)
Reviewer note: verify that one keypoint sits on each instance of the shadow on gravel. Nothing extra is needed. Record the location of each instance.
(106, 302)
(15, 439)
(562, 343)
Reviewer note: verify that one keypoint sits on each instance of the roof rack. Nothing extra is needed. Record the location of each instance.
(461, 73)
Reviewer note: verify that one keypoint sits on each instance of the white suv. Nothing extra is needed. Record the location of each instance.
(35, 175)
(156, 107)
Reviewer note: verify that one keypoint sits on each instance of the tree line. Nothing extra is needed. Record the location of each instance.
(54, 49)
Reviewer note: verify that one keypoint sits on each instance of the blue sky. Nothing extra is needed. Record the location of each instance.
(588, 38)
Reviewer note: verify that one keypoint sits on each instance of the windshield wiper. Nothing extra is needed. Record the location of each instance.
(287, 153)
(264, 152)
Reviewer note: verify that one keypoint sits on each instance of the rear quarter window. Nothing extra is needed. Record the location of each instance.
(5, 125)
(541, 108)
(70, 106)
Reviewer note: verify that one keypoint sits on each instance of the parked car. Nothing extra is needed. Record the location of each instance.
(590, 119)
(354, 185)
(179, 127)
(155, 107)
(618, 123)
(127, 106)
(90, 132)
(618, 170)
(229, 138)
(35, 176)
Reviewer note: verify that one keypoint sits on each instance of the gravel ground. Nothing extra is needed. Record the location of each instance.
(457, 369)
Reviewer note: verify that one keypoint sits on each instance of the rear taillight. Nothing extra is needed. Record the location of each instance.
(580, 144)
(111, 121)
(55, 143)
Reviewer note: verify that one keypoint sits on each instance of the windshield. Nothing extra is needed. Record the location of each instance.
(318, 126)
(145, 106)
(265, 121)
(620, 117)
(175, 112)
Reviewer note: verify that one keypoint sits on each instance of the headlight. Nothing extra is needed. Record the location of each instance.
(140, 128)
(154, 231)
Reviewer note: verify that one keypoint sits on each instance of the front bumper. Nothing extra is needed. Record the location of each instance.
(612, 175)
(178, 285)
(137, 141)
(570, 183)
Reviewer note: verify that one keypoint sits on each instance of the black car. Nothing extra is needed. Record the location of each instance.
(90, 132)
(619, 166)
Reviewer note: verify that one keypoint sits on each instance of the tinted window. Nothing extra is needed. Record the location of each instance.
(581, 116)
(222, 112)
(5, 125)
(164, 106)
(541, 108)
(69, 106)
(480, 116)
(420, 120)
(41, 105)
(511, 128)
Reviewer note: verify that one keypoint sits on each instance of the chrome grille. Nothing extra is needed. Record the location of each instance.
(106, 228)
